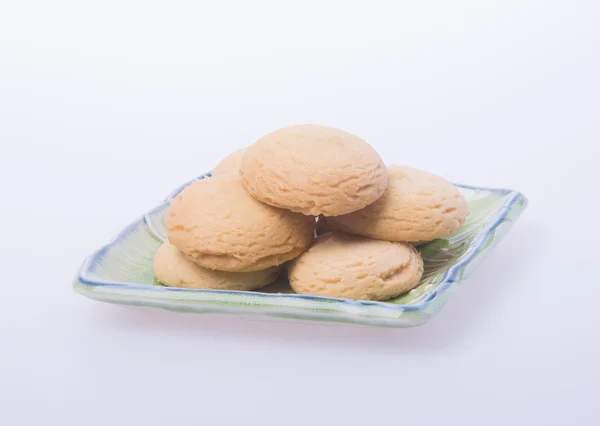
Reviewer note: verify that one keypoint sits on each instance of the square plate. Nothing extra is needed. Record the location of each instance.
(121, 272)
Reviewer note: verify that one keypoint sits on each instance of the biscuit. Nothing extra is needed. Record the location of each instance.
(353, 267)
(313, 170)
(417, 206)
(174, 269)
(220, 226)
(230, 164)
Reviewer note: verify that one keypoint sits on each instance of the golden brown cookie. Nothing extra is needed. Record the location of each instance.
(220, 226)
(417, 206)
(313, 170)
(174, 269)
(353, 267)
(230, 164)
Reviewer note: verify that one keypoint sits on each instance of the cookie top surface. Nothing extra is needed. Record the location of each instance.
(417, 206)
(174, 269)
(230, 164)
(354, 267)
(220, 226)
(314, 170)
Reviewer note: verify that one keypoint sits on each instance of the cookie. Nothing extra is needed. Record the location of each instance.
(417, 206)
(174, 269)
(313, 170)
(353, 267)
(230, 164)
(220, 226)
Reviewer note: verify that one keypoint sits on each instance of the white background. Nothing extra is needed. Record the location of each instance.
(107, 106)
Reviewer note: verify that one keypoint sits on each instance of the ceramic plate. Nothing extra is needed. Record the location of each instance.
(121, 272)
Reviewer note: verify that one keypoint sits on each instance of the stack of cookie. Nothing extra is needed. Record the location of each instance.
(237, 229)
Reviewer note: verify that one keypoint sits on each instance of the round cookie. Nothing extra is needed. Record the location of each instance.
(230, 164)
(217, 224)
(353, 267)
(314, 170)
(174, 269)
(417, 206)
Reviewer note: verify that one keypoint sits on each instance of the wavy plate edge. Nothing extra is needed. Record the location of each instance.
(294, 306)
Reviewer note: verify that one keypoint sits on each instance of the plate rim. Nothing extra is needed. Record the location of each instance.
(90, 287)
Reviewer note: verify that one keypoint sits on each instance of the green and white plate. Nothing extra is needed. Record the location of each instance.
(121, 272)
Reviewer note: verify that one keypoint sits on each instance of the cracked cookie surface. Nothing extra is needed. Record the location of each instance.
(218, 225)
(174, 269)
(313, 170)
(354, 267)
(417, 206)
